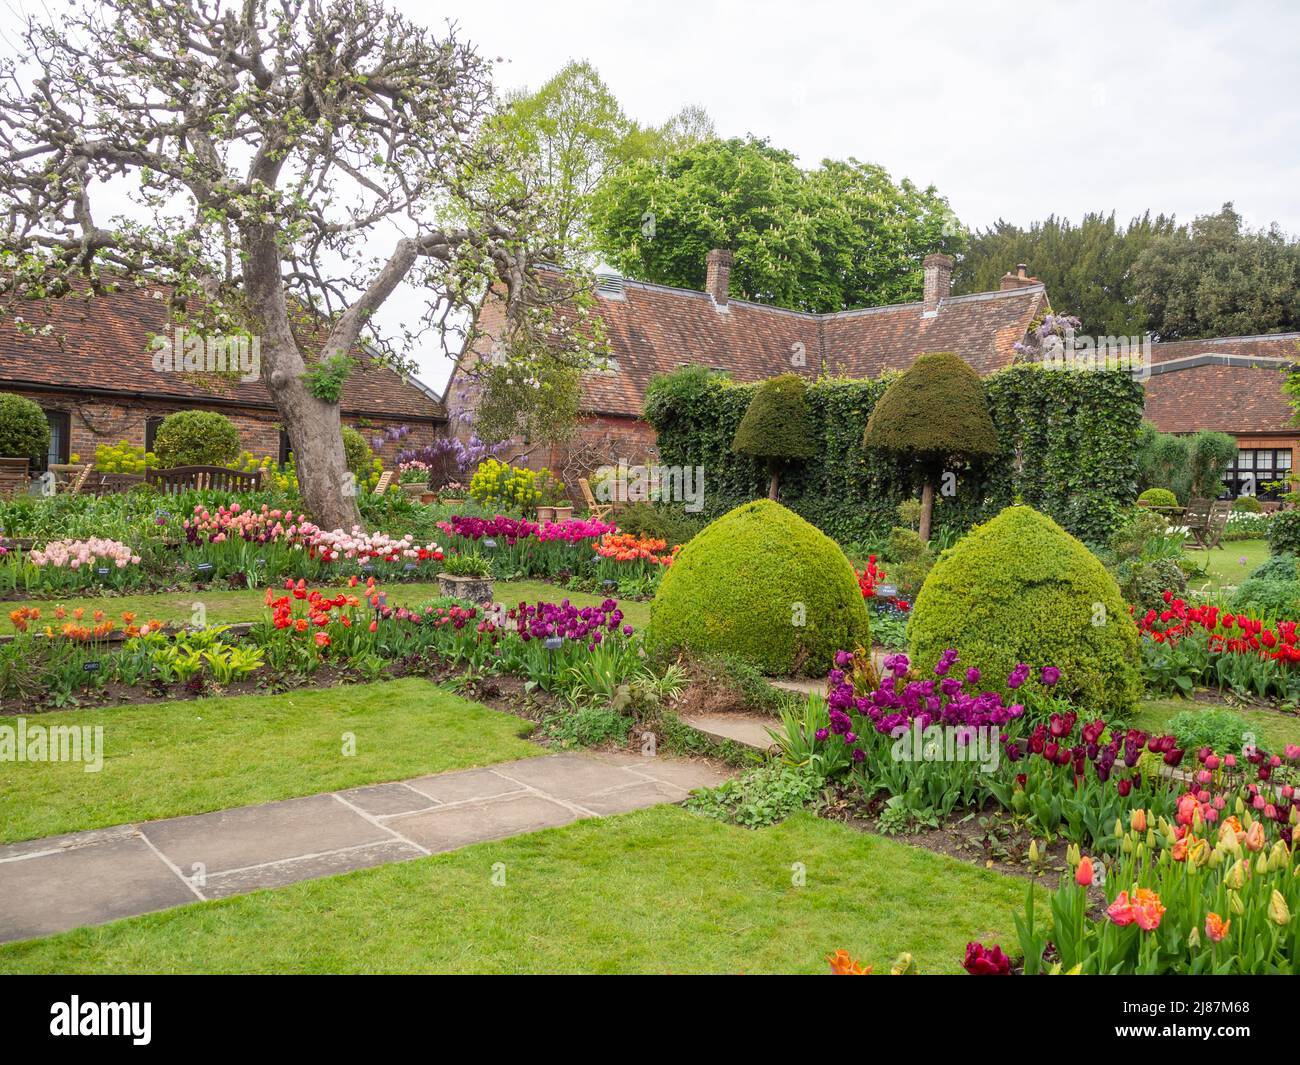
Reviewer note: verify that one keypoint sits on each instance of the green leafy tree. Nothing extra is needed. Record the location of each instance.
(931, 417)
(1217, 278)
(1208, 457)
(1163, 461)
(841, 236)
(776, 427)
(1085, 266)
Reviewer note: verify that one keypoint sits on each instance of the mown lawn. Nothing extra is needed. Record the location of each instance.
(164, 759)
(226, 607)
(1225, 564)
(1273, 729)
(658, 891)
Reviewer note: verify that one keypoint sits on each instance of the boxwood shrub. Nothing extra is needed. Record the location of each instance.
(24, 429)
(761, 584)
(1020, 588)
(1284, 533)
(1263, 597)
(1158, 497)
(196, 438)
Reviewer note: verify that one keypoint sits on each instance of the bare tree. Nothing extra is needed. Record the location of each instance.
(268, 147)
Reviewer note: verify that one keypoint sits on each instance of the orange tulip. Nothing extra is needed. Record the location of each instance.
(843, 965)
(1216, 927)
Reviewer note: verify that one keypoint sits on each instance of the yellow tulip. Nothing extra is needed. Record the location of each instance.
(1277, 909)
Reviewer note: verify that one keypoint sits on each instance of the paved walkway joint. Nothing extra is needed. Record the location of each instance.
(52, 885)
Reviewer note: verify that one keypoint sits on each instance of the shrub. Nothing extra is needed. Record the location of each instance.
(1163, 461)
(1284, 533)
(1248, 504)
(498, 484)
(24, 429)
(1021, 589)
(1277, 568)
(762, 584)
(1158, 497)
(776, 427)
(196, 438)
(1209, 455)
(663, 521)
(1269, 598)
(357, 453)
(1222, 730)
(123, 457)
(910, 559)
(933, 415)
(1144, 583)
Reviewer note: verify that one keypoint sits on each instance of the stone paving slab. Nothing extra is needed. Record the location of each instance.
(49, 893)
(255, 835)
(744, 729)
(448, 827)
(85, 878)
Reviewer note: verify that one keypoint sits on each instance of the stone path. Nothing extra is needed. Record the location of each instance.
(51, 885)
(749, 730)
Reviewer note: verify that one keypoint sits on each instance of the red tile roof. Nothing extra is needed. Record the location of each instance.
(1229, 384)
(103, 343)
(653, 329)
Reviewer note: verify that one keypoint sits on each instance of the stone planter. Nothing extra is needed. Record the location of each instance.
(545, 514)
(476, 590)
(415, 488)
(562, 513)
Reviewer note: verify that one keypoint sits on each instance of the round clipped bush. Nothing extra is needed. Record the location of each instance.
(762, 585)
(1019, 588)
(24, 429)
(356, 453)
(1247, 505)
(776, 427)
(196, 438)
(1158, 497)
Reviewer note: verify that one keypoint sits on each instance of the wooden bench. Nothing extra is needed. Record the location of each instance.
(15, 477)
(217, 478)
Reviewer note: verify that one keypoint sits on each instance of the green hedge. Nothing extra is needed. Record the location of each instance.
(1074, 434)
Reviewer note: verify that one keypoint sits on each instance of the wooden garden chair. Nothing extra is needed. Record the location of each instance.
(386, 478)
(1220, 511)
(80, 481)
(598, 511)
(1197, 519)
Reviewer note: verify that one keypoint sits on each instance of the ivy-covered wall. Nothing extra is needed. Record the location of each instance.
(1067, 440)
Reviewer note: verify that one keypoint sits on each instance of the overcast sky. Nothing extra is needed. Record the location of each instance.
(1012, 110)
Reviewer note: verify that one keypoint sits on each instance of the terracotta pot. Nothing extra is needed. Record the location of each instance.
(545, 514)
(563, 513)
(428, 497)
(476, 590)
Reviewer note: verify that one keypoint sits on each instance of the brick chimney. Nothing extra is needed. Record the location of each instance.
(938, 281)
(1020, 279)
(718, 277)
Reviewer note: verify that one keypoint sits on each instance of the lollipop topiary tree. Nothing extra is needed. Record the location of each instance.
(934, 416)
(776, 427)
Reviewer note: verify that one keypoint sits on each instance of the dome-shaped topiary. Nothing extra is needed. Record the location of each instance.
(196, 438)
(24, 429)
(356, 452)
(1021, 589)
(776, 426)
(1158, 497)
(934, 414)
(763, 585)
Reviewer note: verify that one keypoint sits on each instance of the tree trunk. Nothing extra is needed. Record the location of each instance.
(328, 489)
(773, 483)
(927, 508)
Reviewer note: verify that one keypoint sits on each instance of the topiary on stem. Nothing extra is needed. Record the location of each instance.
(24, 429)
(933, 416)
(776, 427)
(196, 438)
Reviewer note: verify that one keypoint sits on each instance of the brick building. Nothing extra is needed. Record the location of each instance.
(90, 364)
(1232, 385)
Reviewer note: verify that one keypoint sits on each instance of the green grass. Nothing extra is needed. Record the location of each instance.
(165, 759)
(659, 891)
(1225, 566)
(227, 607)
(1273, 730)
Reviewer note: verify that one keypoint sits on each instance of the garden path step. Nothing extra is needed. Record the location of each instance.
(86, 878)
(745, 729)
